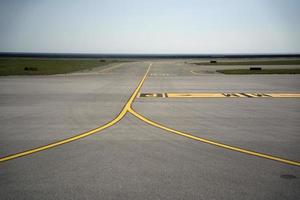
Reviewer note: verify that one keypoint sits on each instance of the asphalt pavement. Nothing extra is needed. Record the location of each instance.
(134, 159)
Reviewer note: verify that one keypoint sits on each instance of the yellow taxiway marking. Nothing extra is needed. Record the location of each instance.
(285, 95)
(127, 108)
(82, 135)
(151, 95)
(221, 95)
(194, 95)
(233, 95)
(218, 144)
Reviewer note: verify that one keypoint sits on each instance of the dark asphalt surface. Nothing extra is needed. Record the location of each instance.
(133, 160)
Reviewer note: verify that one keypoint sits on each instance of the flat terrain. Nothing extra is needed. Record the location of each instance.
(249, 62)
(261, 71)
(48, 66)
(132, 158)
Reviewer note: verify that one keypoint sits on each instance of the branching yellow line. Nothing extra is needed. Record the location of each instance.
(218, 144)
(82, 135)
(127, 108)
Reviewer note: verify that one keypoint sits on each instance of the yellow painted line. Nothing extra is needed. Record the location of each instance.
(284, 95)
(82, 135)
(218, 144)
(232, 95)
(31, 151)
(195, 95)
(151, 95)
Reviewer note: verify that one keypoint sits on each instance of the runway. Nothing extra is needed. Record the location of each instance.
(109, 144)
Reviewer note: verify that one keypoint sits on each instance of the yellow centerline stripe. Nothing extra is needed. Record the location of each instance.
(82, 135)
(282, 160)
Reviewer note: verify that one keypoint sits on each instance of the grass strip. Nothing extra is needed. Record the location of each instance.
(263, 71)
(48, 66)
(252, 62)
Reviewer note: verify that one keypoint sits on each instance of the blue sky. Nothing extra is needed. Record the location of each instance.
(144, 26)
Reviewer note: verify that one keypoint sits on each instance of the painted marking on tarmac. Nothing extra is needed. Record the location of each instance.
(151, 95)
(127, 108)
(285, 95)
(85, 134)
(218, 144)
(221, 95)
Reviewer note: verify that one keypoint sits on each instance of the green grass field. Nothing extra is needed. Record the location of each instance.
(263, 71)
(252, 62)
(48, 66)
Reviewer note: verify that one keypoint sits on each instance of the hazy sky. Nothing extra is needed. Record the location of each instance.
(150, 26)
